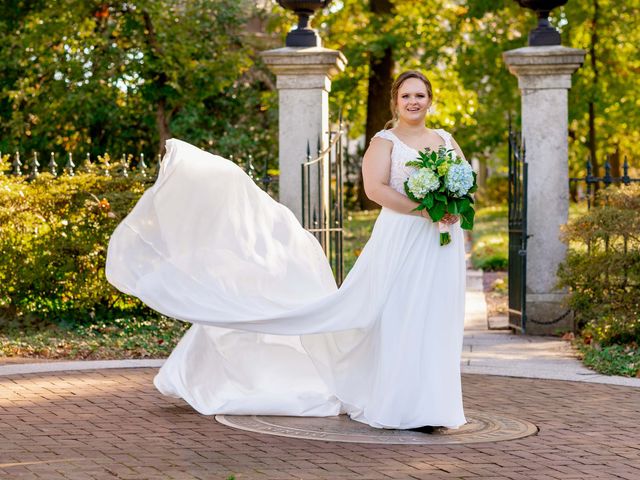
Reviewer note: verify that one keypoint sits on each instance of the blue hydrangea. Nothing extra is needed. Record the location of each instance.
(459, 178)
(422, 182)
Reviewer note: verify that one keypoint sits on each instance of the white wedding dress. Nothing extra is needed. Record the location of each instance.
(271, 333)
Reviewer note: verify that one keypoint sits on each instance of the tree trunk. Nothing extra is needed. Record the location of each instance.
(162, 123)
(378, 94)
(159, 81)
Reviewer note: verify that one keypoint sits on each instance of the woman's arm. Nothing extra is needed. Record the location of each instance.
(376, 168)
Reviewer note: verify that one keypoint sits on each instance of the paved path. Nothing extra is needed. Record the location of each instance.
(113, 424)
(105, 420)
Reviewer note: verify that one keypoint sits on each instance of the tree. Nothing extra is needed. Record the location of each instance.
(125, 76)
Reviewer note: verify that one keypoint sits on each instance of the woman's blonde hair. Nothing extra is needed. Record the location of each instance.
(400, 79)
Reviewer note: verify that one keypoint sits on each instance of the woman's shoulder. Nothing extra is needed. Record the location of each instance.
(386, 134)
(442, 131)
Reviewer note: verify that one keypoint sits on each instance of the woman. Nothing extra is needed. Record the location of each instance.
(272, 334)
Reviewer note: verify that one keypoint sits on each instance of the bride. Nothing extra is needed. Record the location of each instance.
(271, 333)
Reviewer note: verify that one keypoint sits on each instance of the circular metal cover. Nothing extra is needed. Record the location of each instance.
(480, 427)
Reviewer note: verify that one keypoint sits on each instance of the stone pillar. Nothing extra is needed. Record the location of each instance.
(544, 77)
(303, 82)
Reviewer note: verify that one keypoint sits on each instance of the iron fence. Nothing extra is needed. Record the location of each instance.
(109, 165)
(323, 216)
(593, 182)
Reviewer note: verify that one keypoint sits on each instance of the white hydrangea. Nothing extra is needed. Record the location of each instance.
(459, 178)
(422, 182)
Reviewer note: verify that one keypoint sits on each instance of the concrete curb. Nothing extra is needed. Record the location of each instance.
(80, 365)
(76, 365)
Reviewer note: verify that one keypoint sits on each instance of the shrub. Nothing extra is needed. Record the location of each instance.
(602, 269)
(53, 239)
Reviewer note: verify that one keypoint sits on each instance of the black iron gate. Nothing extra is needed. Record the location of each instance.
(322, 214)
(517, 198)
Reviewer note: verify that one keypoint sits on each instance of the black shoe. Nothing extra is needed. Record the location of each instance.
(424, 429)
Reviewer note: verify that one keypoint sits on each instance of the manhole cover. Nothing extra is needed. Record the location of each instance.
(480, 427)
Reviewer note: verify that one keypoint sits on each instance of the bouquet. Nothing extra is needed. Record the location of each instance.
(442, 183)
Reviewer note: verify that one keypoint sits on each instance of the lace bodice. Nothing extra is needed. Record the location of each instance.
(401, 153)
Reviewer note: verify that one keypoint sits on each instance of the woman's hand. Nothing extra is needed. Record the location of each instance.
(450, 219)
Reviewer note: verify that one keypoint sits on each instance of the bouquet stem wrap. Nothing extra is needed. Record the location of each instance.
(445, 233)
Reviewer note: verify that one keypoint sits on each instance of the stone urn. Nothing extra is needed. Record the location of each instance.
(544, 33)
(303, 36)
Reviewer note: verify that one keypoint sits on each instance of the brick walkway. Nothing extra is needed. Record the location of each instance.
(114, 424)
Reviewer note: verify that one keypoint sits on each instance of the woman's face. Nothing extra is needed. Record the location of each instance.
(413, 101)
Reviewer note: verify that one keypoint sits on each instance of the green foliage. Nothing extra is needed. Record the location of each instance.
(133, 337)
(613, 359)
(610, 74)
(490, 240)
(602, 269)
(122, 76)
(53, 240)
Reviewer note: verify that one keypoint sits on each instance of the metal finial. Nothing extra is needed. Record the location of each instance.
(70, 165)
(125, 165)
(34, 165)
(106, 165)
(625, 172)
(17, 164)
(142, 166)
(251, 169)
(53, 167)
(607, 172)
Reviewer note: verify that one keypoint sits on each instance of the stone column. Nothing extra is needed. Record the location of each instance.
(544, 77)
(303, 82)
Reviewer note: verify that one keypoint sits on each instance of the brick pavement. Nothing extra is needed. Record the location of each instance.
(113, 424)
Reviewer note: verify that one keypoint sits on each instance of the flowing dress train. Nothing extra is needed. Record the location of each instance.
(271, 333)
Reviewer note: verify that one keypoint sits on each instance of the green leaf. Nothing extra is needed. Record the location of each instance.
(428, 200)
(467, 219)
(437, 211)
(441, 197)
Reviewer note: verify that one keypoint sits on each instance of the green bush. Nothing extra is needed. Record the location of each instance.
(602, 269)
(53, 240)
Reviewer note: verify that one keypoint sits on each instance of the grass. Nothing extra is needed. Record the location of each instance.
(121, 338)
(611, 360)
(490, 238)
